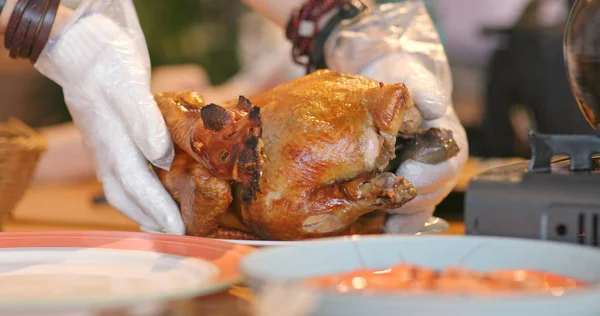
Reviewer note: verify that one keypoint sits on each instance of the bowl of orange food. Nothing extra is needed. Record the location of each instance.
(431, 275)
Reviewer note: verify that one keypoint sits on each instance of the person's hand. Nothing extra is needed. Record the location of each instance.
(399, 43)
(101, 61)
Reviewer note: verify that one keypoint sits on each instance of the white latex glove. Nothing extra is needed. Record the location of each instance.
(398, 43)
(101, 61)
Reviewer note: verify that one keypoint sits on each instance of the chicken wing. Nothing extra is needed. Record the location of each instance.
(226, 141)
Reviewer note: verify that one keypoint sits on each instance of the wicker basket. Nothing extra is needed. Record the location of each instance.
(20, 150)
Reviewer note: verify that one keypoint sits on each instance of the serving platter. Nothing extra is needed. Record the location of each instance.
(81, 270)
(277, 274)
(434, 225)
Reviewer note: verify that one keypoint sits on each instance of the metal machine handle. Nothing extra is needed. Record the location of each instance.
(580, 148)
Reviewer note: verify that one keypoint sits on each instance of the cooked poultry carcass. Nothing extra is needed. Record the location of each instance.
(302, 160)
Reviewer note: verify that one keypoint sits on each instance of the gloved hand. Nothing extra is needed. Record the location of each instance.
(399, 43)
(101, 61)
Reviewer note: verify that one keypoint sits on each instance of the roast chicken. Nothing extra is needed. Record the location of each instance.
(303, 160)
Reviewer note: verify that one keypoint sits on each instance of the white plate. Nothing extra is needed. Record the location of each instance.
(273, 272)
(80, 271)
(434, 225)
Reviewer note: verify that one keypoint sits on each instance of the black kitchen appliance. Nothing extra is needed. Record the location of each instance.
(556, 195)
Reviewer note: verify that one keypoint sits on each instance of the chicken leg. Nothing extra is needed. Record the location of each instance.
(339, 205)
(202, 197)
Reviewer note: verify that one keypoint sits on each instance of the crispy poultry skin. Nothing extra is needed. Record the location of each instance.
(225, 141)
(214, 146)
(326, 137)
(203, 198)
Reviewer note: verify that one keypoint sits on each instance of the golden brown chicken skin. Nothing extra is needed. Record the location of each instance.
(202, 197)
(215, 147)
(225, 141)
(326, 138)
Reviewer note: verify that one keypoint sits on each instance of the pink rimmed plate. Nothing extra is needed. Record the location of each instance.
(81, 270)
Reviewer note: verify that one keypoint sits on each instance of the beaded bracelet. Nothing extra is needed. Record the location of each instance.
(29, 28)
(311, 24)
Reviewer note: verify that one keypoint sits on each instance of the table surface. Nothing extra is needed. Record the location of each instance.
(69, 207)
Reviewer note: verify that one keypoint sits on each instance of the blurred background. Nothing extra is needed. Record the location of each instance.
(506, 58)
